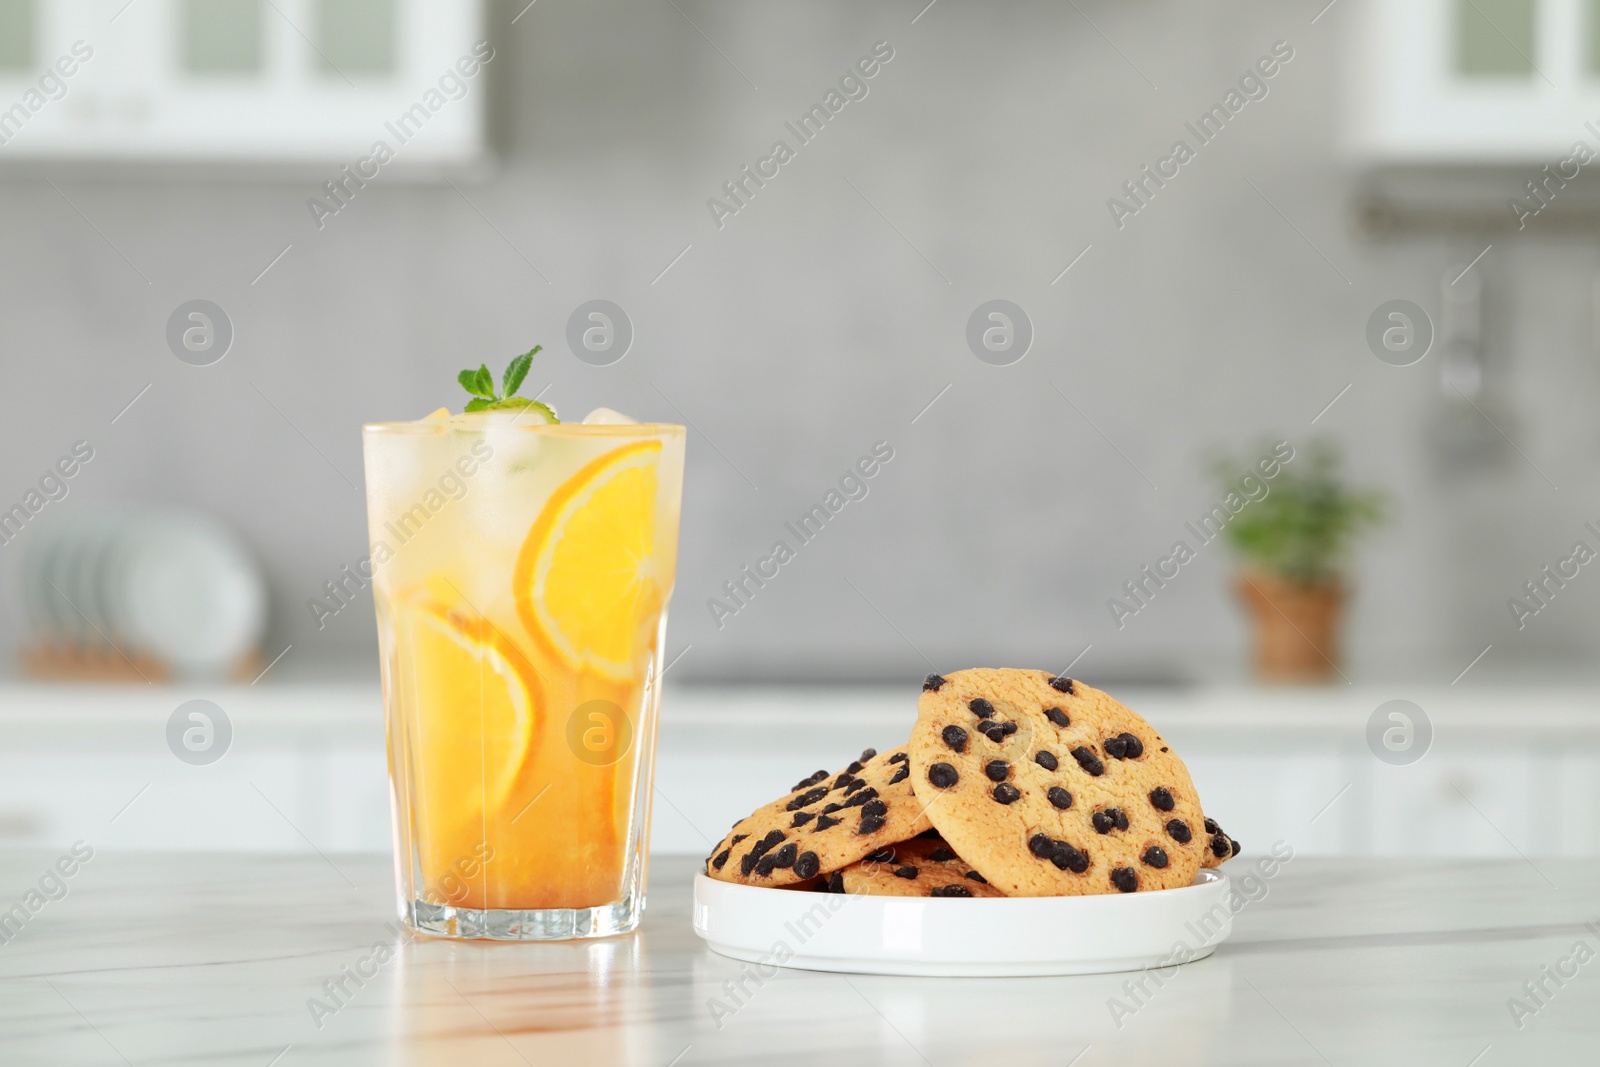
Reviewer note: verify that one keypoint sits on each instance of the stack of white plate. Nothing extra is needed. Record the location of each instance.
(173, 585)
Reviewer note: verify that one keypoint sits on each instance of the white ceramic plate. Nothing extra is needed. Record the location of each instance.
(60, 576)
(41, 600)
(990, 936)
(184, 589)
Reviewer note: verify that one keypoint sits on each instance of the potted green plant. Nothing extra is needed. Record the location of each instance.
(1295, 543)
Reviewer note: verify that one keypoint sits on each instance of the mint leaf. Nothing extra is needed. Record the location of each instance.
(480, 383)
(477, 382)
(517, 370)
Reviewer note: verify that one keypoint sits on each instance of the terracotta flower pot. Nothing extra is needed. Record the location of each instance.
(1297, 627)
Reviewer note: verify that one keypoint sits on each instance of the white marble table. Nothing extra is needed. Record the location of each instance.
(211, 959)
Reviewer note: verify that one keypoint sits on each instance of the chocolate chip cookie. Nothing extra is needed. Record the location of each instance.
(824, 823)
(1051, 788)
(922, 867)
(1219, 847)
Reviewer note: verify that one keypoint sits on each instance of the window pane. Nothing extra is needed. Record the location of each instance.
(1495, 37)
(357, 36)
(222, 36)
(1591, 37)
(16, 34)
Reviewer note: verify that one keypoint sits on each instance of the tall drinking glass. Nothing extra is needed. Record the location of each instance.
(521, 573)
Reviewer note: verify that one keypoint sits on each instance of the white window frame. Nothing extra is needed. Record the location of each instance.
(133, 101)
(1408, 105)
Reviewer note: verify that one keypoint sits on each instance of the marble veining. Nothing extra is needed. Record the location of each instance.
(222, 959)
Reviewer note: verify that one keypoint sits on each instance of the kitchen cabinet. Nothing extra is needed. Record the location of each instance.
(1509, 771)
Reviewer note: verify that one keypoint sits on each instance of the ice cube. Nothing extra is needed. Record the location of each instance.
(607, 417)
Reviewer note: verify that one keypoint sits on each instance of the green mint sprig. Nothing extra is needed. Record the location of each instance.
(480, 383)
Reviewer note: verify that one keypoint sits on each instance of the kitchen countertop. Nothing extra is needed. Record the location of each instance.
(212, 959)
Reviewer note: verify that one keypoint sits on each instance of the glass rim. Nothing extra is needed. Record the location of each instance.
(578, 429)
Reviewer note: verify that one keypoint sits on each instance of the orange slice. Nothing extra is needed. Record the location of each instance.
(586, 583)
(479, 705)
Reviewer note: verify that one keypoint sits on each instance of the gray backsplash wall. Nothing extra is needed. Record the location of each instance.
(824, 317)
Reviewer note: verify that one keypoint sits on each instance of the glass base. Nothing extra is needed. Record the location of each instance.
(533, 924)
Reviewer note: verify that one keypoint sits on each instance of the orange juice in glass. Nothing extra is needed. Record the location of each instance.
(521, 572)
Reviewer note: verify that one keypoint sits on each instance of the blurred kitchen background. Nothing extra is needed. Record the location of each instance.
(1221, 309)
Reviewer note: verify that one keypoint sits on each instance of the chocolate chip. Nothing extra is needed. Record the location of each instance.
(801, 818)
(997, 770)
(950, 891)
(844, 779)
(1212, 827)
(1164, 748)
(1132, 747)
(853, 786)
(1005, 729)
(855, 765)
(836, 882)
(1220, 847)
(806, 864)
(868, 753)
(1178, 830)
(1103, 823)
(762, 847)
(806, 799)
(905, 872)
(898, 757)
(1161, 798)
(1088, 761)
(1057, 716)
(823, 822)
(870, 824)
(1155, 856)
(932, 683)
(737, 838)
(1120, 819)
(1006, 793)
(1042, 846)
(883, 855)
(1235, 845)
(976, 877)
(1059, 797)
(829, 809)
(901, 775)
(1062, 685)
(1045, 760)
(1125, 879)
(807, 782)
(1067, 858)
(980, 707)
(929, 834)
(941, 854)
(942, 775)
(955, 737)
(992, 731)
(722, 858)
(747, 863)
(784, 857)
(1113, 747)
(875, 807)
(765, 865)
(861, 798)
